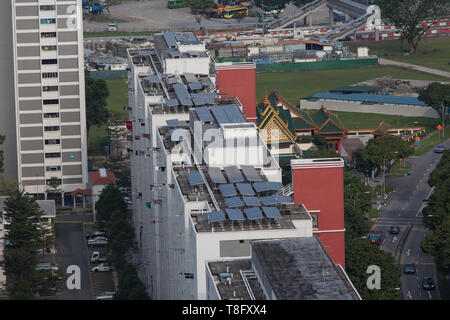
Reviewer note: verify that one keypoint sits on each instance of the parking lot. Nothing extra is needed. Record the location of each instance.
(100, 281)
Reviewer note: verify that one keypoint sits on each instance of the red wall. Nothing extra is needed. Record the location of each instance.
(239, 83)
(323, 189)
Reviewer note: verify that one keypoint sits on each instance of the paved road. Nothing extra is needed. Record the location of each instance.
(403, 209)
(415, 67)
(71, 250)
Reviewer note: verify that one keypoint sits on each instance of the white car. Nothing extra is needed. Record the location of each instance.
(108, 295)
(98, 243)
(97, 239)
(103, 267)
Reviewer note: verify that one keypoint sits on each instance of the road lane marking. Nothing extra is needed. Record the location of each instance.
(395, 239)
(409, 295)
(429, 295)
(408, 252)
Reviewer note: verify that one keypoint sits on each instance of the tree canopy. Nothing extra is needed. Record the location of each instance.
(269, 5)
(407, 15)
(437, 95)
(110, 200)
(130, 286)
(96, 94)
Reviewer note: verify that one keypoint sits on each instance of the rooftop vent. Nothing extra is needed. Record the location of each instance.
(103, 173)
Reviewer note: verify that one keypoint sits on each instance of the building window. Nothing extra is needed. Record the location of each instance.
(53, 181)
(53, 168)
(315, 221)
(48, 34)
(52, 141)
(50, 75)
(48, 21)
(51, 128)
(48, 48)
(48, 8)
(53, 155)
(49, 61)
(51, 115)
(49, 88)
(50, 101)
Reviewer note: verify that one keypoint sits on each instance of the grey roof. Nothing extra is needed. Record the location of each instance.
(299, 269)
(47, 206)
(267, 186)
(245, 189)
(216, 216)
(235, 214)
(195, 178)
(227, 190)
(272, 212)
(233, 202)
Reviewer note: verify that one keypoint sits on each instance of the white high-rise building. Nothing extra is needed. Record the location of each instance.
(42, 88)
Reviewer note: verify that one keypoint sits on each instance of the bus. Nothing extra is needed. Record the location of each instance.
(229, 12)
(173, 4)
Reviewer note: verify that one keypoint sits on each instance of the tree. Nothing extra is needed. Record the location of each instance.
(121, 235)
(96, 94)
(438, 244)
(21, 290)
(130, 286)
(359, 256)
(437, 96)
(20, 263)
(408, 16)
(366, 167)
(270, 5)
(110, 200)
(199, 5)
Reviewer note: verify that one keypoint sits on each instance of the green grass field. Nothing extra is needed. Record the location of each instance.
(430, 143)
(118, 98)
(296, 85)
(392, 49)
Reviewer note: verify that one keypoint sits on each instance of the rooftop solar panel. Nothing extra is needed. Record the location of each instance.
(173, 123)
(174, 53)
(153, 78)
(207, 98)
(216, 175)
(272, 212)
(235, 214)
(170, 39)
(233, 114)
(199, 100)
(233, 202)
(190, 77)
(216, 216)
(267, 186)
(251, 174)
(220, 115)
(195, 178)
(195, 86)
(275, 199)
(227, 190)
(233, 174)
(245, 189)
(205, 116)
(253, 213)
(251, 201)
(181, 92)
(172, 102)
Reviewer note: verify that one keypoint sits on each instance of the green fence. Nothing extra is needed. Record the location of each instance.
(106, 74)
(320, 65)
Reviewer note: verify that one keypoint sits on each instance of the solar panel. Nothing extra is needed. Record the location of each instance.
(195, 86)
(216, 175)
(173, 123)
(182, 94)
(235, 214)
(216, 216)
(251, 174)
(172, 102)
(272, 212)
(233, 174)
(204, 115)
(195, 178)
(227, 190)
(199, 100)
(190, 77)
(267, 186)
(275, 199)
(234, 202)
(170, 39)
(245, 189)
(251, 201)
(253, 213)
(233, 114)
(174, 53)
(153, 78)
(219, 114)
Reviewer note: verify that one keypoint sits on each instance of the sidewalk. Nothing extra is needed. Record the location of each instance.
(437, 72)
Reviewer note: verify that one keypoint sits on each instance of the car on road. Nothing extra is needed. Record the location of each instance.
(374, 237)
(95, 234)
(428, 283)
(439, 149)
(102, 267)
(98, 243)
(409, 268)
(128, 200)
(394, 229)
(99, 257)
(98, 238)
(46, 266)
(107, 295)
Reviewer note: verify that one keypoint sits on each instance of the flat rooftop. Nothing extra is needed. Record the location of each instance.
(370, 98)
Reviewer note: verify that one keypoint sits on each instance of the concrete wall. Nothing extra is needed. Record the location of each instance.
(7, 105)
(350, 106)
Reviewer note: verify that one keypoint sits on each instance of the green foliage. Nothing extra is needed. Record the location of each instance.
(436, 95)
(269, 5)
(408, 14)
(365, 167)
(20, 263)
(21, 290)
(130, 286)
(304, 139)
(360, 255)
(110, 199)
(438, 244)
(196, 5)
(121, 235)
(96, 94)
(121, 172)
(319, 140)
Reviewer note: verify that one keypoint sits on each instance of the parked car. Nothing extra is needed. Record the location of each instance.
(428, 283)
(128, 200)
(409, 268)
(374, 237)
(98, 243)
(98, 238)
(108, 295)
(102, 267)
(99, 257)
(46, 266)
(394, 230)
(439, 149)
(95, 234)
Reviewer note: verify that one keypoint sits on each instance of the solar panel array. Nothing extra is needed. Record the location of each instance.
(245, 189)
(227, 190)
(251, 174)
(253, 213)
(267, 186)
(233, 174)
(173, 123)
(153, 78)
(272, 212)
(233, 202)
(227, 114)
(251, 201)
(216, 216)
(182, 94)
(235, 214)
(216, 175)
(170, 39)
(268, 200)
(195, 178)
